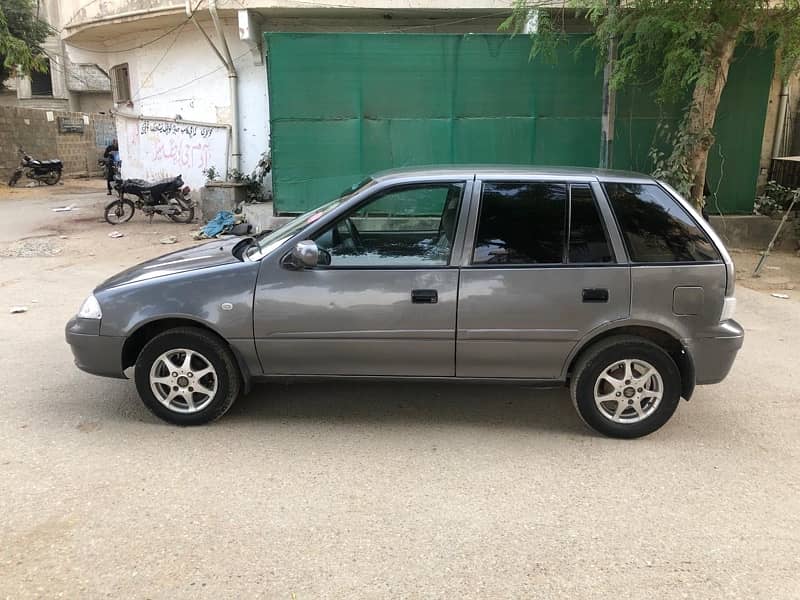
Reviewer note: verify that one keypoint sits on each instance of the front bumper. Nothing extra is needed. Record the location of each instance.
(713, 356)
(94, 353)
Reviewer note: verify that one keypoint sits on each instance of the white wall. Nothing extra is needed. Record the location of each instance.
(181, 75)
(155, 149)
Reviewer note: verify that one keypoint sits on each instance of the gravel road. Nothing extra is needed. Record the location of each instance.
(374, 490)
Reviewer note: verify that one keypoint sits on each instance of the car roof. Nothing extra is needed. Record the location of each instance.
(489, 171)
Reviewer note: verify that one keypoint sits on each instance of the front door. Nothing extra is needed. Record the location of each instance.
(386, 302)
(542, 274)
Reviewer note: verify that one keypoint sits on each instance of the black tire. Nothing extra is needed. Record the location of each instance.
(119, 211)
(601, 358)
(211, 350)
(14, 179)
(52, 178)
(187, 210)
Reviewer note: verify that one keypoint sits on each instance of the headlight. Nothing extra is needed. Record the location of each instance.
(90, 309)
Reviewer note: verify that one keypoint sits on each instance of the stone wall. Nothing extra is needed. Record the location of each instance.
(37, 132)
(755, 232)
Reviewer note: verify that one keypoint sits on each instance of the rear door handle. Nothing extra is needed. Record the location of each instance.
(424, 296)
(595, 295)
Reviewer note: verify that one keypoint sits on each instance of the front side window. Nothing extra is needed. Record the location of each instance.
(655, 226)
(521, 223)
(402, 227)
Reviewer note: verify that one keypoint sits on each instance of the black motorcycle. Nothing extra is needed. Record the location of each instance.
(111, 168)
(168, 197)
(47, 171)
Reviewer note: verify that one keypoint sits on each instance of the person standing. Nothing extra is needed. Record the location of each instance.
(112, 159)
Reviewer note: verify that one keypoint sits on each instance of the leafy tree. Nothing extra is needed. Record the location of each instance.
(683, 48)
(22, 34)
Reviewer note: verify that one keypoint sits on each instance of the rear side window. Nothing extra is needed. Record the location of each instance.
(587, 236)
(521, 223)
(656, 228)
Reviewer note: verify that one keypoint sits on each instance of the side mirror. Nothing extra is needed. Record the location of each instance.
(305, 255)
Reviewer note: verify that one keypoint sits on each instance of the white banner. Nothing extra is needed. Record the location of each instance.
(152, 148)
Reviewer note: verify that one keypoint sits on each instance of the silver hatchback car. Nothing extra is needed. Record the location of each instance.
(604, 281)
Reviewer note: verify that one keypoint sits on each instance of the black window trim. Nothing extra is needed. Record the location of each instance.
(629, 256)
(603, 224)
(451, 264)
(564, 264)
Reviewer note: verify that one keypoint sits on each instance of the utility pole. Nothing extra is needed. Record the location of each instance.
(609, 99)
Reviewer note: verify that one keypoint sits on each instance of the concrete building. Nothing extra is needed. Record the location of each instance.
(161, 64)
(68, 84)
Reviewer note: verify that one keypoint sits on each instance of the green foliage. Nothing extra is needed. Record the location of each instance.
(775, 199)
(673, 167)
(255, 191)
(253, 182)
(676, 48)
(22, 34)
(663, 43)
(550, 30)
(212, 174)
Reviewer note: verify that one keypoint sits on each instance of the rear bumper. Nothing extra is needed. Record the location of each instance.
(713, 356)
(94, 353)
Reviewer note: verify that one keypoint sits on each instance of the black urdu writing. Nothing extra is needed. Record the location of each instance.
(175, 129)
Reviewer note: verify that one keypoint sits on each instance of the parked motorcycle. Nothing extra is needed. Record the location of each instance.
(47, 171)
(168, 197)
(111, 168)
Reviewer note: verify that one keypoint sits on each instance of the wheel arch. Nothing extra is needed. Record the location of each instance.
(144, 332)
(666, 340)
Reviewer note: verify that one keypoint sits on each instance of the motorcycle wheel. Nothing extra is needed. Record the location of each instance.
(52, 178)
(14, 179)
(187, 211)
(119, 211)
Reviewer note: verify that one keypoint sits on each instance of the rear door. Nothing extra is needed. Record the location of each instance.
(539, 271)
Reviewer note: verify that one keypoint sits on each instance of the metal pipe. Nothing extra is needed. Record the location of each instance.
(608, 124)
(780, 124)
(233, 82)
(765, 254)
(208, 39)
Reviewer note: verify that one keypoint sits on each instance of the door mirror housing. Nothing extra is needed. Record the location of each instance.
(304, 256)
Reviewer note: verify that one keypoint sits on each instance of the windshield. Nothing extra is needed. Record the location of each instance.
(268, 243)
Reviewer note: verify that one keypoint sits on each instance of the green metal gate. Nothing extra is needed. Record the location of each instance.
(346, 105)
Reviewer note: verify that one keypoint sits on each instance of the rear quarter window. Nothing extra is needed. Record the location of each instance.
(655, 227)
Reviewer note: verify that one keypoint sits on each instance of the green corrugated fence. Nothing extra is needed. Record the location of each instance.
(346, 105)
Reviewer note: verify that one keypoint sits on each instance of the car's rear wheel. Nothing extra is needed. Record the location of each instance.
(625, 387)
(187, 376)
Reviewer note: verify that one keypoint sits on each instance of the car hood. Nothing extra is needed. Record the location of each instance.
(212, 254)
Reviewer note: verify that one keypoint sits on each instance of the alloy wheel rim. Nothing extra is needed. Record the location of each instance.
(628, 391)
(183, 380)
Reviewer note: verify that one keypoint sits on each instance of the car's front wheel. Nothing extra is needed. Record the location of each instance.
(625, 387)
(187, 376)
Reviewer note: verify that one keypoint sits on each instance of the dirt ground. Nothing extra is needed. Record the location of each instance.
(780, 272)
(373, 489)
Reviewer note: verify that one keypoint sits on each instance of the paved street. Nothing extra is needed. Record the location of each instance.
(372, 490)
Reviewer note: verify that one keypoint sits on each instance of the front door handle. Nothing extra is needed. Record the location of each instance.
(424, 296)
(595, 295)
